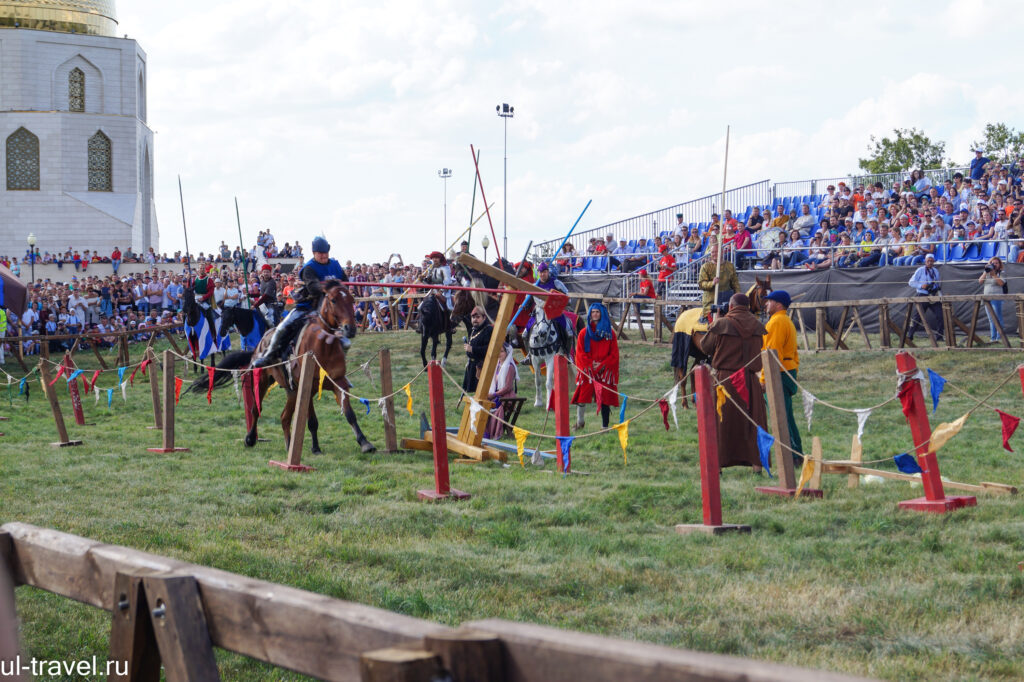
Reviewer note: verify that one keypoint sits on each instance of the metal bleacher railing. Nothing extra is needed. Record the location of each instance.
(697, 212)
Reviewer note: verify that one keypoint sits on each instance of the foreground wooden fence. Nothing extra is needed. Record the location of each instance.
(169, 611)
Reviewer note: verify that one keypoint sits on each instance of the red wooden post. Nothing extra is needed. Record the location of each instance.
(916, 411)
(439, 437)
(707, 434)
(561, 404)
(76, 397)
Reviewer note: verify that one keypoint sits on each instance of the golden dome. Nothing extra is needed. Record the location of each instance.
(93, 17)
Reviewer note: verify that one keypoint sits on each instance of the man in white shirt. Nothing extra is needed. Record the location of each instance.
(219, 294)
(79, 304)
(805, 221)
(232, 294)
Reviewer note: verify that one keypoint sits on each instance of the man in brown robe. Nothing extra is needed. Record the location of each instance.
(734, 340)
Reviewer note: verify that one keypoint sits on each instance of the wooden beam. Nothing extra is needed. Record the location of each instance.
(180, 628)
(853, 469)
(860, 324)
(506, 278)
(132, 640)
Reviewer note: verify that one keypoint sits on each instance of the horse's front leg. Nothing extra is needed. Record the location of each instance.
(423, 347)
(286, 415)
(535, 363)
(313, 424)
(253, 396)
(447, 345)
(364, 443)
(550, 381)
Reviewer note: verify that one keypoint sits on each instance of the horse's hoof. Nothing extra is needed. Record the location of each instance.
(368, 448)
(250, 441)
(579, 426)
(316, 451)
(444, 361)
(537, 403)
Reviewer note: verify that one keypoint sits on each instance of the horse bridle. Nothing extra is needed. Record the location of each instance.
(333, 330)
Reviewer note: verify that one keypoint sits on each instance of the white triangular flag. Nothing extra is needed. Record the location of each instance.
(673, 397)
(862, 418)
(809, 400)
(96, 390)
(474, 410)
(382, 403)
(124, 390)
(234, 380)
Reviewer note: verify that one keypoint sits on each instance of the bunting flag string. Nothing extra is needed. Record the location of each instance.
(809, 400)
(907, 464)
(366, 404)
(408, 396)
(209, 391)
(673, 398)
(765, 441)
(520, 436)
(720, 400)
(663, 406)
(806, 473)
(944, 431)
(320, 391)
(623, 430)
(622, 409)
(565, 452)
(1009, 424)
(177, 389)
(738, 379)
(85, 384)
(937, 384)
(862, 419)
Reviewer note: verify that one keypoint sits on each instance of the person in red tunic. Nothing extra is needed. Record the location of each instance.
(666, 266)
(597, 365)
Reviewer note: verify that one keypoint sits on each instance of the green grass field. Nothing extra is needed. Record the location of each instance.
(848, 583)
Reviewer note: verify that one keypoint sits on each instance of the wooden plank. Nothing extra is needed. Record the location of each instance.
(1020, 320)
(58, 416)
(180, 628)
(924, 322)
(777, 421)
(9, 649)
(906, 328)
(860, 323)
(815, 482)
(401, 665)
(965, 329)
(884, 323)
(386, 388)
(972, 333)
(19, 353)
(948, 332)
(478, 452)
(99, 356)
(301, 413)
(803, 327)
(819, 328)
(469, 654)
(506, 278)
(132, 640)
(536, 654)
(294, 629)
(826, 327)
(639, 320)
(856, 455)
(997, 323)
(854, 470)
(506, 309)
(842, 325)
(174, 344)
(154, 390)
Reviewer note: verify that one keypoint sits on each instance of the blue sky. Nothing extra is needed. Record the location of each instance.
(334, 117)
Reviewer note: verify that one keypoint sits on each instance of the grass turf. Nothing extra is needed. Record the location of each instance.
(848, 583)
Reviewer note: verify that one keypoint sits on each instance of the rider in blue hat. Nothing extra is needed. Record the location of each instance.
(307, 298)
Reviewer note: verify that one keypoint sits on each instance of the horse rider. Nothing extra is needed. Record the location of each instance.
(439, 273)
(307, 298)
(267, 300)
(203, 288)
(546, 280)
(709, 276)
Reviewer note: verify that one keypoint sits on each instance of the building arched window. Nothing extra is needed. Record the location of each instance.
(22, 160)
(99, 163)
(76, 90)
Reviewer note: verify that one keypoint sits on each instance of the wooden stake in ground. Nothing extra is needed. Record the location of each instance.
(58, 417)
(169, 397)
(386, 388)
(299, 418)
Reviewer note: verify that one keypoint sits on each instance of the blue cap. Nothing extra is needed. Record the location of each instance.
(320, 245)
(781, 296)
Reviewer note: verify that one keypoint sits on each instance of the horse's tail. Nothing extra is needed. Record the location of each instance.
(222, 375)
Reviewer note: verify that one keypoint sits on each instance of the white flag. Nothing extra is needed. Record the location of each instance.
(673, 397)
(124, 390)
(96, 390)
(474, 410)
(809, 400)
(382, 403)
(862, 418)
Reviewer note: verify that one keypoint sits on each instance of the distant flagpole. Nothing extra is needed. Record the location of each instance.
(721, 218)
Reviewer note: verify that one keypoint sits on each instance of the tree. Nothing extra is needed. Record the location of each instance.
(1001, 143)
(910, 149)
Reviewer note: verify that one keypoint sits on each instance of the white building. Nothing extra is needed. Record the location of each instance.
(75, 149)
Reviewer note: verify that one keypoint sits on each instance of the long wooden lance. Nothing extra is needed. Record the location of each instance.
(472, 209)
(721, 219)
(472, 152)
(245, 261)
(188, 256)
(551, 260)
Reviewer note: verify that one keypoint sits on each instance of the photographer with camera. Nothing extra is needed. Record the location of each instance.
(927, 282)
(993, 282)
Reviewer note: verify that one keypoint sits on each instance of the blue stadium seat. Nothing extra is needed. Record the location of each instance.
(632, 243)
(988, 250)
(940, 252)
(973, 252)
(665, 233)
(957, 254)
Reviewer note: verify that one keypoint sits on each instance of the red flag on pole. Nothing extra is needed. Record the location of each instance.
(1010, 424)
(177, 390)
(739, 382)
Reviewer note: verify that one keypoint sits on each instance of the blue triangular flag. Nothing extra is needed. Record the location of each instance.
(120, 375)
(366, 404)
(565, 448)
(907, 464)
(21, 386)
(74, 375)
(622, 410)
(937, 384)
(110, 396)
(765, 441)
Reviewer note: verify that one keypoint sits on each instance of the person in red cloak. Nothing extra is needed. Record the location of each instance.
(597, 366)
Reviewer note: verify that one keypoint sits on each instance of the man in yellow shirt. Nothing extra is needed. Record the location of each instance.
(781, 335)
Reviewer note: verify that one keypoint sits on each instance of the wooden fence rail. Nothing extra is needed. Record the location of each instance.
(193, 608)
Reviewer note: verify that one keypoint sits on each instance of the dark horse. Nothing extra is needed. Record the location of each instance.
(191, 312)
(435, 319)
(687, 333)
(246, 321)
(326, 335)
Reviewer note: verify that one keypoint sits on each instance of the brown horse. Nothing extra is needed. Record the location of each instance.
(687, 333)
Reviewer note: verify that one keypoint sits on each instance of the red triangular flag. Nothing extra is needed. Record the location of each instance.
(177, 390)
(209, 391)
(145, 363)
(1010, 424)
(131, 377)
(60, 373)
(85, 383)
(663, 404)
(256, 388)
(904, 394)
(95, 378)
(739, 383)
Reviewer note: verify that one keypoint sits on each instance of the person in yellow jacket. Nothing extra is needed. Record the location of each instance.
(781, 335)
(3, 333)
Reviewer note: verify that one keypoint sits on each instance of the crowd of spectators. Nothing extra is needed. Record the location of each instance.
(972, 216)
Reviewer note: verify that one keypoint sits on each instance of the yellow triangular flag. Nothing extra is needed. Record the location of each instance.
(722, 397)
(323, 375)
(520, 435)
(943, 432)
(408, 403)
(270, 388)
(623, 430)
(805, 474)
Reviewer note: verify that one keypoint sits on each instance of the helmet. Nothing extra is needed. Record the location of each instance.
(320, 245)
